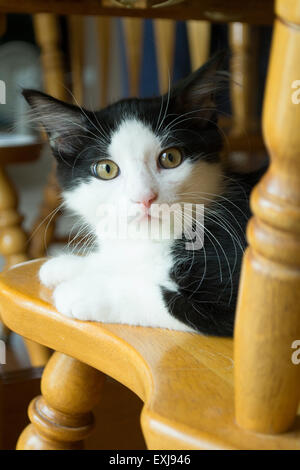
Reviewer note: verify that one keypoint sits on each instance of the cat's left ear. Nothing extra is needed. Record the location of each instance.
(65, 124)
(196, 94)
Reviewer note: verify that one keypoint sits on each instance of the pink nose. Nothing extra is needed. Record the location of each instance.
(147, 201)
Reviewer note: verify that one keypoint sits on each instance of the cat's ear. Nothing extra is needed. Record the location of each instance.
(64, 123)
(196, 94)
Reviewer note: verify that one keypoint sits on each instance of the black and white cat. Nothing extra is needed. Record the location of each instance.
(142, 153)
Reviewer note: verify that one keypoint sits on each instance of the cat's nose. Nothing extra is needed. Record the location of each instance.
(147, 200)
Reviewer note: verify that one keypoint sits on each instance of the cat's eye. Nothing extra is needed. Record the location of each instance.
(170, 158)
(105, 169)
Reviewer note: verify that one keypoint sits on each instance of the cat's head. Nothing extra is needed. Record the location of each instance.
(137, 151)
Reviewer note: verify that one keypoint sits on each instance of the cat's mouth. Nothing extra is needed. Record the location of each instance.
(145, 217)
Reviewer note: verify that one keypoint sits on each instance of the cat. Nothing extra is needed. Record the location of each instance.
(142, 153)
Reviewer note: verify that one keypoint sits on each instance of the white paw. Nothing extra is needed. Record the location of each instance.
(78, 299)
(59, 269)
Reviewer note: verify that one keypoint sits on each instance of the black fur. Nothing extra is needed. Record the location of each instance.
(208, 303)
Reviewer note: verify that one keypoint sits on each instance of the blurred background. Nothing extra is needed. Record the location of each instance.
(95, 61)
(116, 58)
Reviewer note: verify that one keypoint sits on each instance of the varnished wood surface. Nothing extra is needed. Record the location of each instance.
(184, 379)
(254, 11)
(61, 417)
(268, 313)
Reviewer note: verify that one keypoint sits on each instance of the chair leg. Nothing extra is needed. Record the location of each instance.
(267, 382)
(61, 417)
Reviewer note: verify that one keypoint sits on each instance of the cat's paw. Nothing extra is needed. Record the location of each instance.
(77, 299)
(60, 269)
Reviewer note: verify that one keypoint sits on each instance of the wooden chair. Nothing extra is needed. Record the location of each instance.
(198, 392)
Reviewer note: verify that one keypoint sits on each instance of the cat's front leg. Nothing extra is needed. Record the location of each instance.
(83, 298)
(60, 269)
(111, 299)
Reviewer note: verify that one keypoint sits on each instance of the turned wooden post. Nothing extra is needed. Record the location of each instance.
(133, 31)
(199, 33)
(13, 247)
(165, 46)
(61, 417)
(13, 240)
(267, 383)
(47, 29)
(243, 40)
(47, 34)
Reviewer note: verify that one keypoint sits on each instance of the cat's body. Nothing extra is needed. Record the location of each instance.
(144, 153)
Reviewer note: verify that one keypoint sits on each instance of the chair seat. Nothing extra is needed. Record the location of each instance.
(19, 148)
(184, 379)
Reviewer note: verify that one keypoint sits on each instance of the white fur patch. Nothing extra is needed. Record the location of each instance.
(121, 284)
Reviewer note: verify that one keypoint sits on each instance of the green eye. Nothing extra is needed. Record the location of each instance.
(105, 170)
(170, 158)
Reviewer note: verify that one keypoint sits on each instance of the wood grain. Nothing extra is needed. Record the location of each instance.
(61, 417)
(243, 41)
(185, 380)
(268, 314)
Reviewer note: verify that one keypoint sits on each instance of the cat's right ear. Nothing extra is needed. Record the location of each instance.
(65, 124)
(195, 95)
